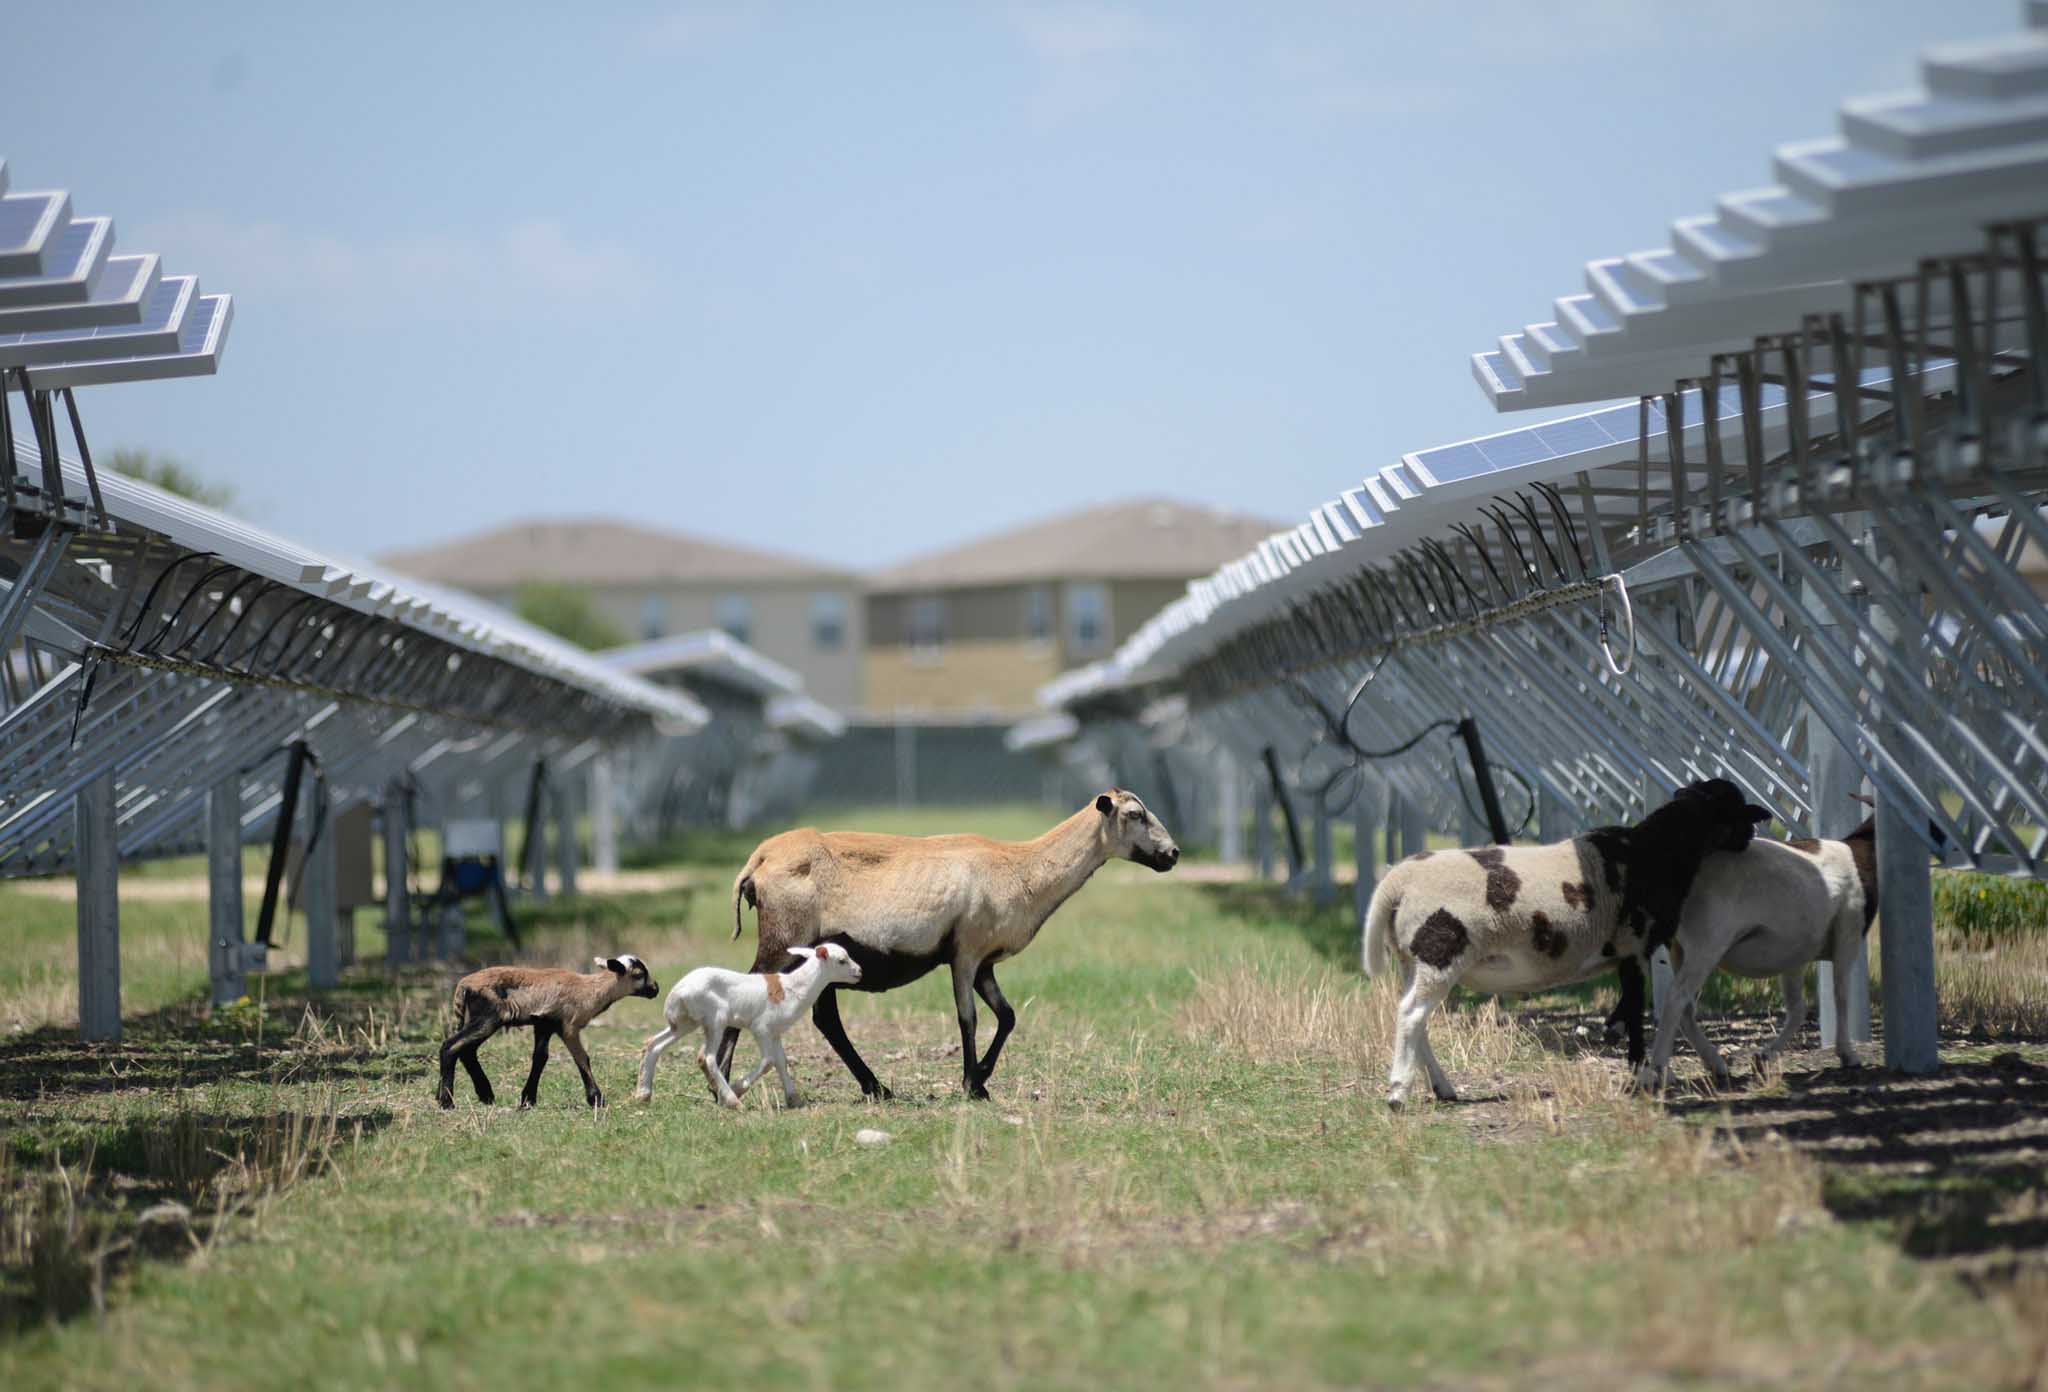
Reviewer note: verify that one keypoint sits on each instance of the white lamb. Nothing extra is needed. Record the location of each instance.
(764, 1003)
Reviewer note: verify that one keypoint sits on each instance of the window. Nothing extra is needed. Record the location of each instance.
(828, 620)
(1038, 614)
(928, 623)
(653, 616)
(735, 614)
(1087, 616)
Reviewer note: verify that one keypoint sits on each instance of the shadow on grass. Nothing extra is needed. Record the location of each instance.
(82, 1200)
(1954, 1166)
(358, 1031)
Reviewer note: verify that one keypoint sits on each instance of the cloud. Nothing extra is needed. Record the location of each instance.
(1085, 53)
(498, 272)
(1328, 80)
(690, 28)
(1079, 31)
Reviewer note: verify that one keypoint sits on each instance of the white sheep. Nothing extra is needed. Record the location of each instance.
(1530, 918)
(764, 1003)
(1768, 911)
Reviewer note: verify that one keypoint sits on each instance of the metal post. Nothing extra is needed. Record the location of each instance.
(99, 912)
(1322, 875)
(534, 853)
(1367, 814)
(1835, 777)
(1229, 810)
(604, 825)
(397, 898)
(1262, 829)
(1295, 854)
(323, 970)
(1414, 827)
(224, 888)
(1905, 885)
(565, 839)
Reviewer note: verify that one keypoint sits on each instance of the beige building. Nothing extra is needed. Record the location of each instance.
(648, 583)
(976, 629)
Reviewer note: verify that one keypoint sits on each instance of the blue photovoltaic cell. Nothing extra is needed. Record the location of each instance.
(63, 265)
(160, 317)
(1522, 447)
(1454, 462)
(1569, 436)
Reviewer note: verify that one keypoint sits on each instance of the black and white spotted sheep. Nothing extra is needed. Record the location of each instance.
(1516, 919)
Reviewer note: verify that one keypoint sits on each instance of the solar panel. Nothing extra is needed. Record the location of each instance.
(163, 317)
(201, 337)
(74, 262)
(27, 223)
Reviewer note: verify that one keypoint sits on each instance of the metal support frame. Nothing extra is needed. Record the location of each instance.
(565, 837)
(397, 826)
(1763, 640)
(99, 913)
(604, 814)
(317, 890)
(225, 952)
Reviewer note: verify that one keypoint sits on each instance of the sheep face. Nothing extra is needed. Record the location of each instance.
(1729, 818)
(1134, 833)
(632, 970)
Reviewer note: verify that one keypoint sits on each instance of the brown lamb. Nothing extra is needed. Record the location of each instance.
(553, 1000)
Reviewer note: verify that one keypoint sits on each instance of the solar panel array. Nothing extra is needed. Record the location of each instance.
(1927, 167)
(76, 315)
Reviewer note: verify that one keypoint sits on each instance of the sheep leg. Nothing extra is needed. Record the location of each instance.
(462, 1044)
(825, 1015)
(963, 1005)
(1426, 991)
(591, 1094)
(1848, 947)
(1703, 1046)
(1006, 1018)
(1794, 984)
(1631, 1007)
(728, 1045)
(543, 1030)
(771, 1052)
(1673, 1014)
(651, 1055)
(708, 1061)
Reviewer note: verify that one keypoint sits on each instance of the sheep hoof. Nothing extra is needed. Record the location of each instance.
(878, 1093)
(642, 1098)
(1446, 1093)
(1395, 1102)
(977, 1093)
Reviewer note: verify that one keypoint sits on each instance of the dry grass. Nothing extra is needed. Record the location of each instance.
(68, 1224)
(1994, 989)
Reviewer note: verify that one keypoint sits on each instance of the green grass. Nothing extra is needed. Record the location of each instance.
(1185, 1177)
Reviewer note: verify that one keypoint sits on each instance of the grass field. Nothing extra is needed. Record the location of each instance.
(1185, 1177)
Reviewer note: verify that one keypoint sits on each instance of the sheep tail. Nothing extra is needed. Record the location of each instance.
(1378, 951)
(743, 890)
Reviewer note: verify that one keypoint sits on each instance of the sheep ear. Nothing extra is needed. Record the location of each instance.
(600, 962)
(1105, 804)
(614, 964)
(1757, 814)
(822, 953)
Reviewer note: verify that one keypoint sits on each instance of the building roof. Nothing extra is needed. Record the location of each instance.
(1139, 539)
(598, 551)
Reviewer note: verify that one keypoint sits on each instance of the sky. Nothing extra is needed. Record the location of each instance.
(860, 281)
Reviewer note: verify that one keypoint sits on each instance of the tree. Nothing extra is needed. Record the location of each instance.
(171, 475)
(566, 612)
